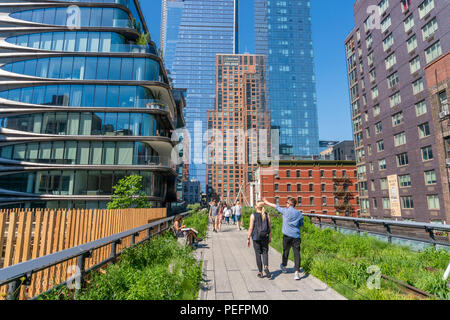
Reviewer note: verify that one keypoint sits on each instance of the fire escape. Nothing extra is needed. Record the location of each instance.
(343, 197)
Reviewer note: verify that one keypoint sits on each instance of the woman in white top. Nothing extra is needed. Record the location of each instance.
(227, 212)
(238, 213)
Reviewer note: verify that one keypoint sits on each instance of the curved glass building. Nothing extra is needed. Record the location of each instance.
(82, 105)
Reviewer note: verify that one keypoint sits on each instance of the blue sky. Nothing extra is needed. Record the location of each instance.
(332, 22)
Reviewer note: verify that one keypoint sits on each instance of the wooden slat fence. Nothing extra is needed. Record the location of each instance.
(30, 234)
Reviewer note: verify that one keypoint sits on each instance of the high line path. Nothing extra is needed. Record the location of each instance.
(230, 272)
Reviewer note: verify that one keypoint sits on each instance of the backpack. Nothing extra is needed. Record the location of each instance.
(261, 228)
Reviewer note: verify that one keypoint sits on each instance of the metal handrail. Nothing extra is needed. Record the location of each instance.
(14, 274)
(387, 224)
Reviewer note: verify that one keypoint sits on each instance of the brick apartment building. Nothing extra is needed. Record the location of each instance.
(320, 186)
(234, 142)
(399, 174)
(438, 80)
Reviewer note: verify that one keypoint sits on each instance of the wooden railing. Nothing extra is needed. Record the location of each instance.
(27, 235)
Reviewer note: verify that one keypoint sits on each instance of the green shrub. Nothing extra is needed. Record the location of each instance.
(158, 270)
(342, 261)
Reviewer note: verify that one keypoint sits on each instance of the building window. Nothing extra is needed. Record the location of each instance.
(390, 61)
(288, 174)
(402, 159)
(397, 119)
(298, 173)
(380, 146)
(288, 188)
(400, 139)
(409, 22)
(386, 203)
(425, 7)
(417, 86)
(311, 201)
(407, 202)
(388, 42)
(334, 174)
(395, 99)
(277, 186)
(424, 130)
(324, 201)
(376, 110)
(323, 187)
(404, 181)
(414, 65)
(277, 201)
(386, 23)
(382, 164)
(433, 202)
(421, 108)
(310, 173)
(443, 102)
(433, 52)
(299, 187)
(383, 184)
(427, 153)
(378, 128)
(412, 43)
(311, 187)
(430, 178)
(429, 29)
(392, 80)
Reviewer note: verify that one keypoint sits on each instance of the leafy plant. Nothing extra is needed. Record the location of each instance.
(129, 193)
(342, 262)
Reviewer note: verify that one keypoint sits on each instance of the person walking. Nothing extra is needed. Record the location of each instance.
(292, 221)
(221, 208)
(260, 231)
(214, 215)
(237, 209)
(227, 214)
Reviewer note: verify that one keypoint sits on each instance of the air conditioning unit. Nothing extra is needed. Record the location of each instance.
(444, 113)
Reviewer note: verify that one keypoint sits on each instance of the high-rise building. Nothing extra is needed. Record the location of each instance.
(398, 169)
(192, 33)
(82, 105)
(283, 34)
(239, 127)
(438, 81)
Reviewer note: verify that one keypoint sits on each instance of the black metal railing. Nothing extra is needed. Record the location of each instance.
(21, 274)
(420, 232)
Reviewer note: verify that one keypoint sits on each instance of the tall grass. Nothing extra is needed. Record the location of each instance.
(343, 261)
(160, 269)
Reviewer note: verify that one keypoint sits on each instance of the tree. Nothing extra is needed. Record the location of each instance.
(129, 193)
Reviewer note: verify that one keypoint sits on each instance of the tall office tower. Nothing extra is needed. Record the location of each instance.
(239, 127)
(283, 34)
(192, 33)
(387, 52)
(81, 105)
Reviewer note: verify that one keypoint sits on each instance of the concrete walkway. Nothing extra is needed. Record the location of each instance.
(230, 272)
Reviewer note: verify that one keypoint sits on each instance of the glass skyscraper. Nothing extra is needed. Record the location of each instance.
(192, 33)
(82, 106)
(283, 33)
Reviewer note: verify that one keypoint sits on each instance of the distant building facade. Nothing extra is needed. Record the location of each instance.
(344, 150)
(192, 191)
(236, 142)
(283, 33)
(319, 186)
(395, 141)
(438, 80)
(192, 33)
